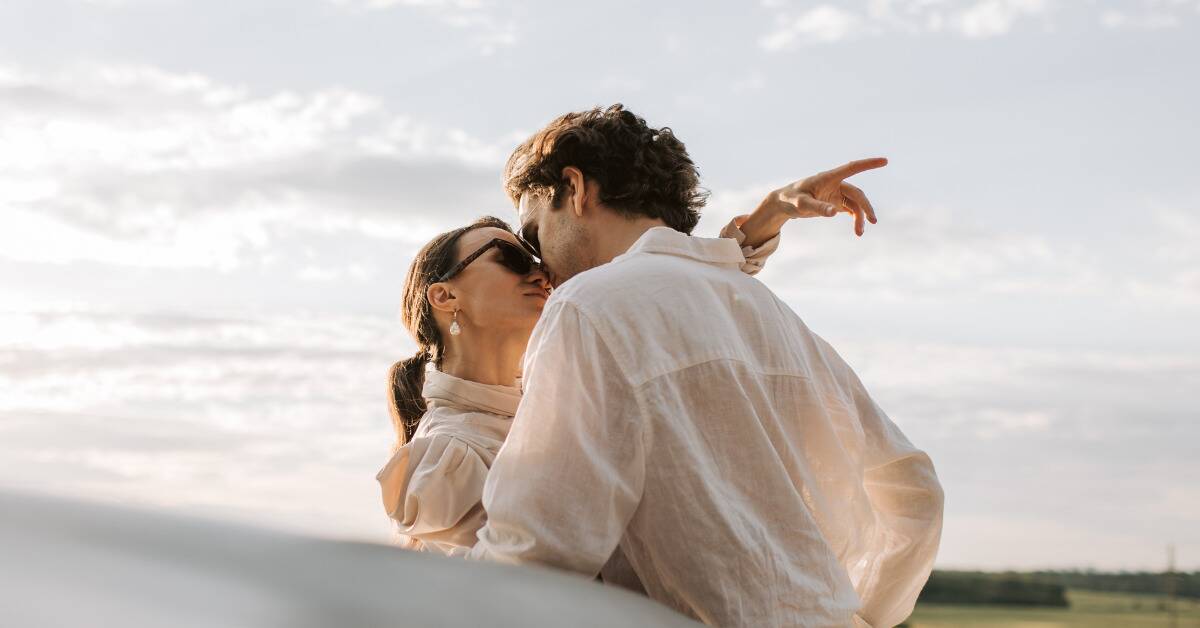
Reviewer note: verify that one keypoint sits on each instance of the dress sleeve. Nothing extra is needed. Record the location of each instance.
(756, 256)
(432, 488)
(570, 476)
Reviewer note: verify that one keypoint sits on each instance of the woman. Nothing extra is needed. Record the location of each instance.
(471, 299)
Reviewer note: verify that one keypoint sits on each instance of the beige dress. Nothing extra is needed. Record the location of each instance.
(433, 485)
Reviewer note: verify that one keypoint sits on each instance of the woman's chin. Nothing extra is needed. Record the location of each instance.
(538, 300)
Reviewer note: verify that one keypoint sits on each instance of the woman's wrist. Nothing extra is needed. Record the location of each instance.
(766, 220)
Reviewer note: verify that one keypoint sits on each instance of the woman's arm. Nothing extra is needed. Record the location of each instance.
(824, 194)
(432, 488)
(764, 223)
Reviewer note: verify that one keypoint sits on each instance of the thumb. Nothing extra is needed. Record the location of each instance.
(824, 209)
(810, 206)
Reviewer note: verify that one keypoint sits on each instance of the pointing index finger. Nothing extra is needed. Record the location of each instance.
(855, 167)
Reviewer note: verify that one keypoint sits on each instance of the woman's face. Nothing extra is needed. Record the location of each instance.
(490, 295)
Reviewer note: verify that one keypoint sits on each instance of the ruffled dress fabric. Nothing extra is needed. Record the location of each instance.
(433, 485)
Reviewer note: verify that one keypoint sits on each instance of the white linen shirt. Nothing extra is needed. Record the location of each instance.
(677, 411)
(432, 486)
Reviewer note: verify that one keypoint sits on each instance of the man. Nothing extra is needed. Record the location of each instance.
(681, 430)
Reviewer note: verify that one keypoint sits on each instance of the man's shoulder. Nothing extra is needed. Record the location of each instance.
(637, 300)
(579, 288)
(639, 281)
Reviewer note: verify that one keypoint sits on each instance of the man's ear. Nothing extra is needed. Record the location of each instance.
(577, 189)
(441, 297)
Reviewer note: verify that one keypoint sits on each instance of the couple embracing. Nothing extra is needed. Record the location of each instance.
(635, 406)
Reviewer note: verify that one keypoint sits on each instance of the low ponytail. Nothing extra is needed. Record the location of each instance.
(406, 378)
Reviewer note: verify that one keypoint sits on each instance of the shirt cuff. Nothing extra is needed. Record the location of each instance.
(755, 256)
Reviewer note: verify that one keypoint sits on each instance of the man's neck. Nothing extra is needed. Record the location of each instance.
(618, 234)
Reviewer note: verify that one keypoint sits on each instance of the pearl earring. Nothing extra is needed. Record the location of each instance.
(454, 328)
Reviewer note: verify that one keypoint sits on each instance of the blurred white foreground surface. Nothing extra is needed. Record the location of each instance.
(65, 563)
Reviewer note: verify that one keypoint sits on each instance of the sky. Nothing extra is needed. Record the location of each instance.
(207, 210)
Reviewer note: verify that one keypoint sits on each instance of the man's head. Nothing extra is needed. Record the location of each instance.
(584, 170)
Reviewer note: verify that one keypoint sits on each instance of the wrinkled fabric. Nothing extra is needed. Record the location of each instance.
(680, 415)
(433, 485)
(754, 258)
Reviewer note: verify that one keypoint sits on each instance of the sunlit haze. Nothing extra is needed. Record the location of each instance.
(208, 210)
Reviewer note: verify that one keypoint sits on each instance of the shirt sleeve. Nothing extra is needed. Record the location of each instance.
(570, 475)
(432, 489)
(907, 500)
(756, 256)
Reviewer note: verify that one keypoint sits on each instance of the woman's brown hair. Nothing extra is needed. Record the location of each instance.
(407, 377)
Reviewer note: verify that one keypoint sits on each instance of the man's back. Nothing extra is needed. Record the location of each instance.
(676, 407)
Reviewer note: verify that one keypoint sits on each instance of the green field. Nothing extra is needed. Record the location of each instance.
(1088, 608)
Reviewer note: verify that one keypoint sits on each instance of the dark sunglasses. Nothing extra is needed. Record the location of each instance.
(529, 239)
(512, 257)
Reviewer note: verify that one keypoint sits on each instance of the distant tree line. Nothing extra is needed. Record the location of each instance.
(962, 587)
(1046, 588)
(1186, 584)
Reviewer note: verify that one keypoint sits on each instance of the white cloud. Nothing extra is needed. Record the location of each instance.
(1013, 430)
(352, 272)
(282, 420)
(276, 419)
(829, 23)
(138, 166)
(491, 30)
(751, 82)
(990, 18)
(217, 241)
(996, 540)
(937, 253)
(1115, 19)
(146, 120)
(822, 24)
(971, 19)
(1148, 14)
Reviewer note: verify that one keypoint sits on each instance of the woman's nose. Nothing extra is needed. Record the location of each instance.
(539, 278)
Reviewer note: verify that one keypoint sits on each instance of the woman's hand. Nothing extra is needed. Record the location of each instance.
(826, 194)
(822, 195)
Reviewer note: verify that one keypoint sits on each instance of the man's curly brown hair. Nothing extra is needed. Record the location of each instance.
(642, 171)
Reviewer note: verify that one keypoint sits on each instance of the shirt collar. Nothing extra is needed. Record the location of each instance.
(443, 389)
(667, 241)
